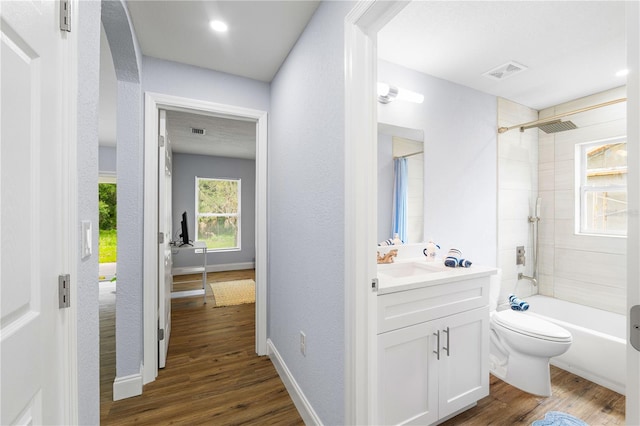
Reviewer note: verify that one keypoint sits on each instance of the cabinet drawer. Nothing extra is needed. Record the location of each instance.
(405, 308)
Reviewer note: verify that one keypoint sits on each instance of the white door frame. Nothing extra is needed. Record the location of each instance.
(154, 102)
(632, 412)
(361, 27)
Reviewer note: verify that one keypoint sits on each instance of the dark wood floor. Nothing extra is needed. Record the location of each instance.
(213, 377)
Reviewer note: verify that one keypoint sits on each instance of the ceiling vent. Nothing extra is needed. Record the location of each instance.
(195, 131)
(504, 71)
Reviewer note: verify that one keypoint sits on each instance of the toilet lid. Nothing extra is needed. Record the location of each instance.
(530, 325)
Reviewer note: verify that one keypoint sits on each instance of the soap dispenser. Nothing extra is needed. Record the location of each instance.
(430, 251)
(396, 240)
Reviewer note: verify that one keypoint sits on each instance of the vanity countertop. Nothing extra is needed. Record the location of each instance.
(434, 273)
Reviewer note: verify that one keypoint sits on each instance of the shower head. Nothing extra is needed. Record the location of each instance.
(554, 126)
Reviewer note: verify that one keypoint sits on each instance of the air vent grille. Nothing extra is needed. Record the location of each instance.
(195, 131)
(503, 71)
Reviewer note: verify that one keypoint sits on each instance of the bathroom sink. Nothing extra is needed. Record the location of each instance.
(404, 270)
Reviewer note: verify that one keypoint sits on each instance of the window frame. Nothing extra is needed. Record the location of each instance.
(238, 214)
(582, 189)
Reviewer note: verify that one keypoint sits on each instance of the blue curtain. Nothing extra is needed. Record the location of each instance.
(400, 177)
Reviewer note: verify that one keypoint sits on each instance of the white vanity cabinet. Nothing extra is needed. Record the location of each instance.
(433, 351)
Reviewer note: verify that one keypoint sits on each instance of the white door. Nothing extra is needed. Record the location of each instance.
(32, 228)
(165, 279)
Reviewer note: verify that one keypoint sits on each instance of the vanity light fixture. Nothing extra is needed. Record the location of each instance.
(218, 26)
(387, 93)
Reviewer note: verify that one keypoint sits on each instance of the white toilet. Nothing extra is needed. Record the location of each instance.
(521, 346)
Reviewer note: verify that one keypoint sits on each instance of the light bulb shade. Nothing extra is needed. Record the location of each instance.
(387, 93)
(409, 96)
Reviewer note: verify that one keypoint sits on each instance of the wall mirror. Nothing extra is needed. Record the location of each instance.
(400, 183)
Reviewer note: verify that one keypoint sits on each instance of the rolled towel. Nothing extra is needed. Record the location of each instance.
(453, 257)
(464, 263)
(517, 304)
(388, 242)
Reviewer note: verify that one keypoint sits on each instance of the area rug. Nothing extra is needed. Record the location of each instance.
(556, 418)
(229, 293)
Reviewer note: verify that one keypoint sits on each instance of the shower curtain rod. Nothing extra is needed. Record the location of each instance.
(524, 126)
(409, 155)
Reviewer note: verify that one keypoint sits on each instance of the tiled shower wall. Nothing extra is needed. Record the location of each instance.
(586, 269)
(517, 193)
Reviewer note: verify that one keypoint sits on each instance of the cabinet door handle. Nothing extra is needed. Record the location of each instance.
(446, 348)
(437, 351)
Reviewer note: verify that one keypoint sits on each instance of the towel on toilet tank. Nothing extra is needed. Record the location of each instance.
(517, 304)
(454, 258)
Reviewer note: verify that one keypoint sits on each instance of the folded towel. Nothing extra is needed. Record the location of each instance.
(517, 304)
(454, 258)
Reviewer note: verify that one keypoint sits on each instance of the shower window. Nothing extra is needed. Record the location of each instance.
(603, 187)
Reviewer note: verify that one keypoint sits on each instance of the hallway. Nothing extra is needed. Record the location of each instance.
(213, 375)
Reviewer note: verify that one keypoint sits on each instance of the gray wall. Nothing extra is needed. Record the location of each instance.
(107, 159)
(187, 81)
(306, 211)
(185, 169)
(460, 146)
(127, 60)
(88, 351)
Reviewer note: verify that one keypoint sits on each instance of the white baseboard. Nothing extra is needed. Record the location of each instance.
(185, 270)
(127, 386)
(303, 405)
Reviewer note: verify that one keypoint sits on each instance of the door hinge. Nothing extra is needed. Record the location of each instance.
(65, 15)
(160, 334)
(64, 291)
(160, 238)
(374, 285)
(161, 140)
(634, 328)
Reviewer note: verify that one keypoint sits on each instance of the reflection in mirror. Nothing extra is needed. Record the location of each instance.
(400, 183)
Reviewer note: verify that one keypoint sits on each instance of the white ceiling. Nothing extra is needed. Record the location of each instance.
(260, 35)
(571, 48)
(223, 137)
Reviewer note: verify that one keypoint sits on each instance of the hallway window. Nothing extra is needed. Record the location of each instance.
(603, 187)
(218, 213)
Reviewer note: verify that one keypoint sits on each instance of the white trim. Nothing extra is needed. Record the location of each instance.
(306, 411)
(154, 101)
(186, 270)
(361, 26)
(69, 197)
(107, 177)
(632, 412)
(128, 386)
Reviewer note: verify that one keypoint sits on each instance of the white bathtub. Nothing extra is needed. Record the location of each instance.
(598, 352)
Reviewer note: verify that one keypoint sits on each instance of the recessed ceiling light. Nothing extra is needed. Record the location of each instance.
(622, 73)
(218, 26)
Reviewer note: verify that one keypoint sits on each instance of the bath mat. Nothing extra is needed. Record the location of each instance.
(228, 293)
(556, 418)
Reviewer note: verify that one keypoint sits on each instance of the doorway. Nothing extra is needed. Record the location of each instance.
(153, 103)
(362, 25)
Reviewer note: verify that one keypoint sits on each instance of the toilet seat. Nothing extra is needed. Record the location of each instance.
(529, 325)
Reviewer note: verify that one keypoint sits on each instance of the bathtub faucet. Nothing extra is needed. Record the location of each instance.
(522, 276)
